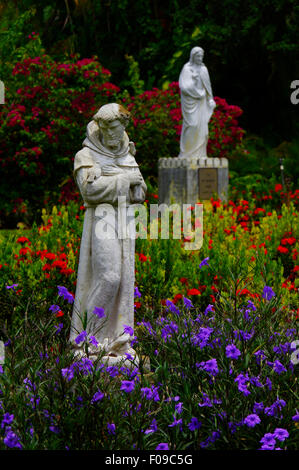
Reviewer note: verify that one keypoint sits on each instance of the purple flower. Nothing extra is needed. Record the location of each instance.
(172, 307)
(187, 303)
(207, 402)
(29, 385)
(12, 286)
(128, 330)
(127, 386)
(268, 293)
(58, 328)
(204, 262)
(211, 366)
(153, 427)
(268, 383)
(99, 312)
(242, 381)
(194, 424)
(129, 357)
(150, 393)
(268, 439)
(278, 367)
(210, 308)
(67, 373)
(81, 337)
(137, 293)
(296, 418)
(260, 355)
(202, 337)
(97, 396)
(176, 422)
(251, 305)
(63, 292)
(281, 434)
(54, 429)
(112, 371)
(162, 446)
(12, 440)
(54, 308)
(179, 407)
(168, 330)
(111, 428)
(267, 447)
(252, 420)
(232, 351)
(258, 407)
(7, 419)
(93, 341)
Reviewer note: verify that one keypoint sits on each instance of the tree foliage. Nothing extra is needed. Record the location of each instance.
(251, 47)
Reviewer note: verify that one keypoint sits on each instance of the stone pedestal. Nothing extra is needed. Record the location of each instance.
(187, 181)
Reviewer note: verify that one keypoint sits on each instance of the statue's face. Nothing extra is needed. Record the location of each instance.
(197, 59)
(112, 133)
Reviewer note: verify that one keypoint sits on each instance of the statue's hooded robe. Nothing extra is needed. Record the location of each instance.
(196, 112)
(106, 270)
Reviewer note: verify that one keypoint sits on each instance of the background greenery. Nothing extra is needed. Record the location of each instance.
(251, 52)
(251, 46)
(54, 60)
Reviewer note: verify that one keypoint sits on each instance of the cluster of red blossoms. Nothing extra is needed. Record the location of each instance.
(53, 262)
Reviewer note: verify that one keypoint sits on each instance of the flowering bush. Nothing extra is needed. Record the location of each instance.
(221, 378)
(43, 122)
(217, 326)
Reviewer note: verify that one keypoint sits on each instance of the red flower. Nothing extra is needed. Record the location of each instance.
(258, 210)
(59, 314)
(288, 241)
(193, 292)
(278, 187)
(50, 256)
(142, 258)
(176, 298)
(282, 249)
(24, 250)
(47, 267)
(184, 280)
(243, 292)
(22, 240)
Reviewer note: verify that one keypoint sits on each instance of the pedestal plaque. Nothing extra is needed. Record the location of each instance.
(188, 181)
(207, 182)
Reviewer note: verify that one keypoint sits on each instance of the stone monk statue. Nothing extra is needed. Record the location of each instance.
(197, 106)
(106, 172)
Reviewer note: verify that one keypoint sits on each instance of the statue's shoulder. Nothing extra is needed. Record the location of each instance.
(186, 68)
(83, 158)
(204, 71)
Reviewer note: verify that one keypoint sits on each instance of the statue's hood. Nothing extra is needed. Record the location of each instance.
(122, 157)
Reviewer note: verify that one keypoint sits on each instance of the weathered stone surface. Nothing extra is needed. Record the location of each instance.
(105, 170)
(187, 181)
(2, 352)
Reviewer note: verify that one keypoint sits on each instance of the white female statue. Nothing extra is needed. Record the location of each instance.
(197, 106)
(106, 171)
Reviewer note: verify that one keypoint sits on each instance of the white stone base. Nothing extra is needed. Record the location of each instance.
(113, 360)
